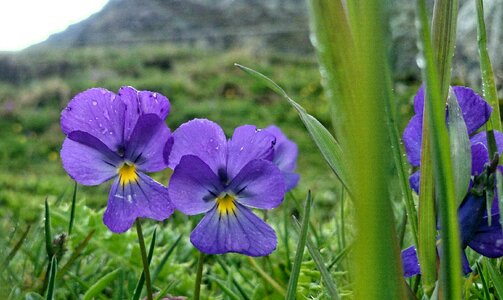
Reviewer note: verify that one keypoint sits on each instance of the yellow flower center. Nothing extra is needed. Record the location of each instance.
(225, 204)
(127, 174)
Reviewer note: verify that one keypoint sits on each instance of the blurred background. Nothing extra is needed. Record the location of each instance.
(185, 50)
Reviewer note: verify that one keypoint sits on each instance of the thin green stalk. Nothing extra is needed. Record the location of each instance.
(294, 276)
(400, 161)
(199, 276)
(266, 277)
(427, 247)
(144, 259)
(442, 165)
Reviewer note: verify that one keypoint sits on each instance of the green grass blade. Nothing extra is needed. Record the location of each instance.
(224, 288)
(48, 231)
(100, 285)
(72, 210)
(495, 277)
(266, 277)
(439, 139)
(164, 291)
(340, 256)
(320, 264)
(141, 281)
(488, 86)
(236, 284)
(297, 263)
(326, 143)
(460, 147)
(76, 253)
(52, 279)
(165, 259)
(483, 278)
(16, 248)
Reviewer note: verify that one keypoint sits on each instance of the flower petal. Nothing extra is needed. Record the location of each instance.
(145, 198)
(412, 137)
(259, 184)
(98, 112)
(291, 180)
(87, 160)
(470, 215)
(147, 142)
(248, 143)
(410, 262)
(419, 101)
(202, 138)
(139, 103)
(476, 111)
(480, 157)
(285, 151)
(488, 240)
(193, 187)
(242, 232)
(414, 181)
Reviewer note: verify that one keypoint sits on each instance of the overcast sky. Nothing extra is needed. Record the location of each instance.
(27, 22)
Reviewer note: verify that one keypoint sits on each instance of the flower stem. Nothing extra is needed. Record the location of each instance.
(199, 276)
(146, 271)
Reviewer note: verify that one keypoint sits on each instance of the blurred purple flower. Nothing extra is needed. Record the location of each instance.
(285, 156)
(119, 137)
(472, 213)
(225, 179)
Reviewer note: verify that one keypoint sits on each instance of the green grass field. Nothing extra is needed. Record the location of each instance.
(34, 89)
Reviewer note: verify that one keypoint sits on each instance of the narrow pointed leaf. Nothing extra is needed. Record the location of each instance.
(16, 248)
(227, 291)
(326, 143)
(100, 285)
(72, 210)
(460, 147)
(297, 263)
(320, 265)
(495, 277)
(488, 86)
(52, 279)
(165, 259)
(48, 231)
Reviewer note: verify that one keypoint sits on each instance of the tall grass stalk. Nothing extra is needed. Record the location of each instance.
(361, 105)
(436, 55)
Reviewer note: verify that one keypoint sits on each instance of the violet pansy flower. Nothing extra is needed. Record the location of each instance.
(225, 179)
(119, 137)
(285, 156)
(472, 215)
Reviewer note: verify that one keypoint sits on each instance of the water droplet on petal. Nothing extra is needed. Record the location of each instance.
(95, 103)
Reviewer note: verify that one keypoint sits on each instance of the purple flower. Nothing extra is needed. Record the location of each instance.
(472, 215)
(285, 156)
(119, 137)
(225, 179)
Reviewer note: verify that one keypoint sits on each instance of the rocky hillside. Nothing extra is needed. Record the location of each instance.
(280, 24)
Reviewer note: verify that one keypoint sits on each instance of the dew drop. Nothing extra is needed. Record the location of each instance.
(95, 103)
(241, 149)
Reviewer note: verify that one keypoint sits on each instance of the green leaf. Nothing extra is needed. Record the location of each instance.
(224, 288)
(320, 264)
(165, 259)
(52, 279)
(48, 231)
(460, 147)
(164, 291)
(100, 285)
(495, 277)
(488, 86)
(16, 248)
(326, 143)
(294, 275)
(72, 210)
(141, 281)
